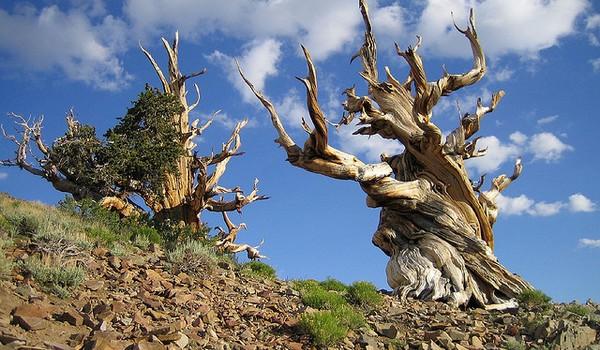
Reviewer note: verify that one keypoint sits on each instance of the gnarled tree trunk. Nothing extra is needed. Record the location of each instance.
(435, 225)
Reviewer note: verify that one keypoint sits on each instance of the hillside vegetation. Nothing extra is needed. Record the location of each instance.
(77, 276)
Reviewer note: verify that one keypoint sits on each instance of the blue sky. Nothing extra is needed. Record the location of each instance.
(544, 54)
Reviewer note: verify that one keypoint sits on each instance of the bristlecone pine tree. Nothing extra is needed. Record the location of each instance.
(435, 224)
(149, 153)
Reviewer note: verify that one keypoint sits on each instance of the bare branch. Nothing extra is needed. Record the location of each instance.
(284, 139)
(157, 69)
(452, 82)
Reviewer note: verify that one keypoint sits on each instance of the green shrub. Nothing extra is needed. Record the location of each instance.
(260, 269)
(349, 317)
(534, 299)
(319, 298)
(364, 294)
(513, 344)
(193, 257)
(6, 264)
(323, 327)
(27, 226)
(302, 285)
(578, 309)
(56, 279)
(333, 284)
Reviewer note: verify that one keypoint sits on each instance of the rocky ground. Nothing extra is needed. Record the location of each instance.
(137, 302)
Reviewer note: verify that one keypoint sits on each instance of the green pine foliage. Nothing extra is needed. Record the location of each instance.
(143, 147)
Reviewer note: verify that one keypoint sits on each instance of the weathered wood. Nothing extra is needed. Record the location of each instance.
(434, 227)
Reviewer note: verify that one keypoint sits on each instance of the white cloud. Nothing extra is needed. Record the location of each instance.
(497, 153)
(292, 109)
(546, 209)
(595, 64)
(370, 147)
(592, 22)
(50, 39)
(589, 243)
(501, 75)
(542, 146)
(514, 205)
(580, 203)
(3, 176)
(524, 205)
(504, 26)
(546, 146)
(258, 60)
(518, 137)
(547, 120)
(325, 27)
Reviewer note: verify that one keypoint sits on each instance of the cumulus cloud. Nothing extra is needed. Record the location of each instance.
(497, 154)
(258, 60)
(545, 146)
(323, 26)
(589, 243)
(580, 203)
(522, 204)
(518, 137)
(506, 26)
(3, 176)
(50, 39)
(292, 109)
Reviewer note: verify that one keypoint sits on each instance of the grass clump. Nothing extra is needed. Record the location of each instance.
(320, 298)
(534, 299)
(333, 284)
(6, 264)
(55, 279)
(513, 344)
(578, 309)
(260, 269)
(193, 257)
(364, 294)
(324, 327)
(335, 317)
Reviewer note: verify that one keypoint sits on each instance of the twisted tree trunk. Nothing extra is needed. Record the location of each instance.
(435, 225)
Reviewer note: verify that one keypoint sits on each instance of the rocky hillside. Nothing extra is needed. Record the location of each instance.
(62, 290)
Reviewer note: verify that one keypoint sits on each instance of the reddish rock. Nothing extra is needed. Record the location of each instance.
(29, 323)
(70, 316)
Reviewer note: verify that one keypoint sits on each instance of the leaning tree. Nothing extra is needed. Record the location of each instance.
(435, 223)
(150, 154)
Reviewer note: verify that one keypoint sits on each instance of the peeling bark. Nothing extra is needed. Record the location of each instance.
(435, 224)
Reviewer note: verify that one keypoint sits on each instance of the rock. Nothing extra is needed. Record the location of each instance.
(56, 346)
(571, 336)
(70, 316)
(94, 285)
(290, 345)
(183, 341)
(457, 335)
(476, 342)
(434, 346)
(114, 262)
(29, 323)
(386, 329)
(33, 310)
(100, 252)
(148, 345)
